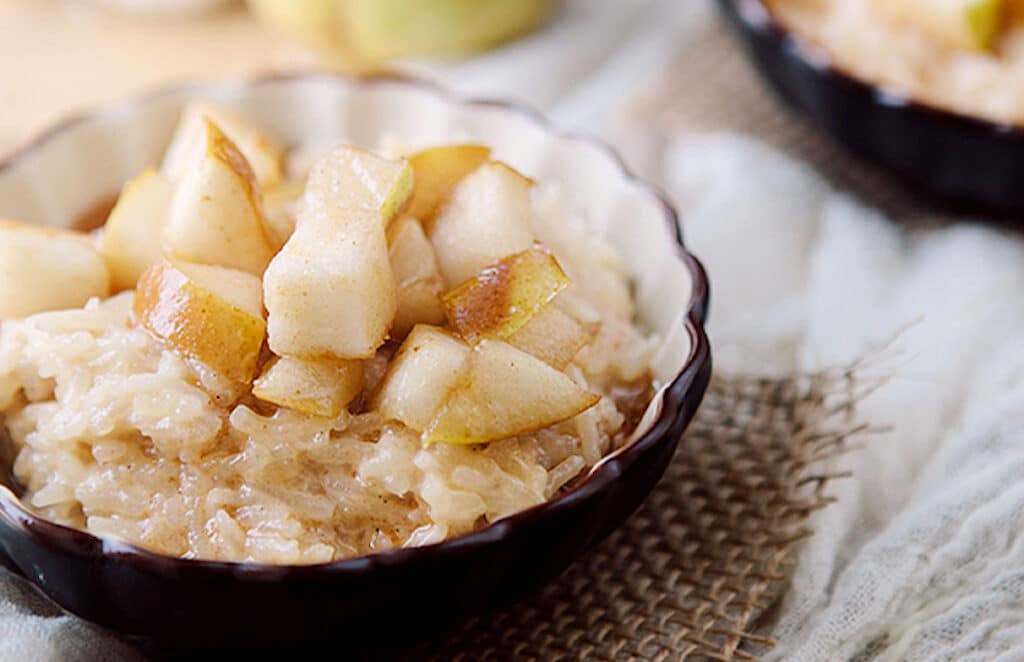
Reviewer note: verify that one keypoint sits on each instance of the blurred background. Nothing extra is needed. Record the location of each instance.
(60, 56)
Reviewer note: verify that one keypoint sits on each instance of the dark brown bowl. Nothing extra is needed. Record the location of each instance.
(188, 605)
(968, 162)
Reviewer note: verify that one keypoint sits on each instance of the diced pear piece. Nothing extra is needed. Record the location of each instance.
(330, 290)
(320, 387)
(130, 242)
(553, 336)
(1014, 14)
(280, 209)
(45, 269)
(363, 180)
(213, 315)
(512, 173)
(419, 283)
(263, 152)
(960, 24)
(487, 218)
(503, 297)
(985, 21)
(215, 216)
(427, 366)
(437, 171)
(504, 392)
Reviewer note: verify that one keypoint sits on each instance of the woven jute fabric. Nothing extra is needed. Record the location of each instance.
(709, 553)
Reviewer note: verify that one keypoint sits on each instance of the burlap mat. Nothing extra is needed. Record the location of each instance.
(709, 553)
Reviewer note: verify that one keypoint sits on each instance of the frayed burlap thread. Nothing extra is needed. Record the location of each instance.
(710, 552)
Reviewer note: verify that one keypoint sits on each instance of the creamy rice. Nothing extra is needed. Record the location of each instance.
(117, 434)
(984, 84)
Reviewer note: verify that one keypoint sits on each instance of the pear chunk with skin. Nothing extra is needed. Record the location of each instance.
(487, 218)
(437, 171)
(504, 392)
(427, 366)
(318, 387)
(961, 24)
(419, 283)
(44, 269)
(503, 297)
(212, 315)
(130, 242)
(280, 209)
(263, 152)
(363, 180)
(553, 336)
(330, 290)
(216, 213)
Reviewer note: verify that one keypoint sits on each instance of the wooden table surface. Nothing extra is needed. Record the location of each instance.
(59, 57)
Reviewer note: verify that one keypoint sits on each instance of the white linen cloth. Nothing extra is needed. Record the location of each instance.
(922, 557)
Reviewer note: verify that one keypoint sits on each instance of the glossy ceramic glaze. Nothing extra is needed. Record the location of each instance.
(965, 161)
(176, 604)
